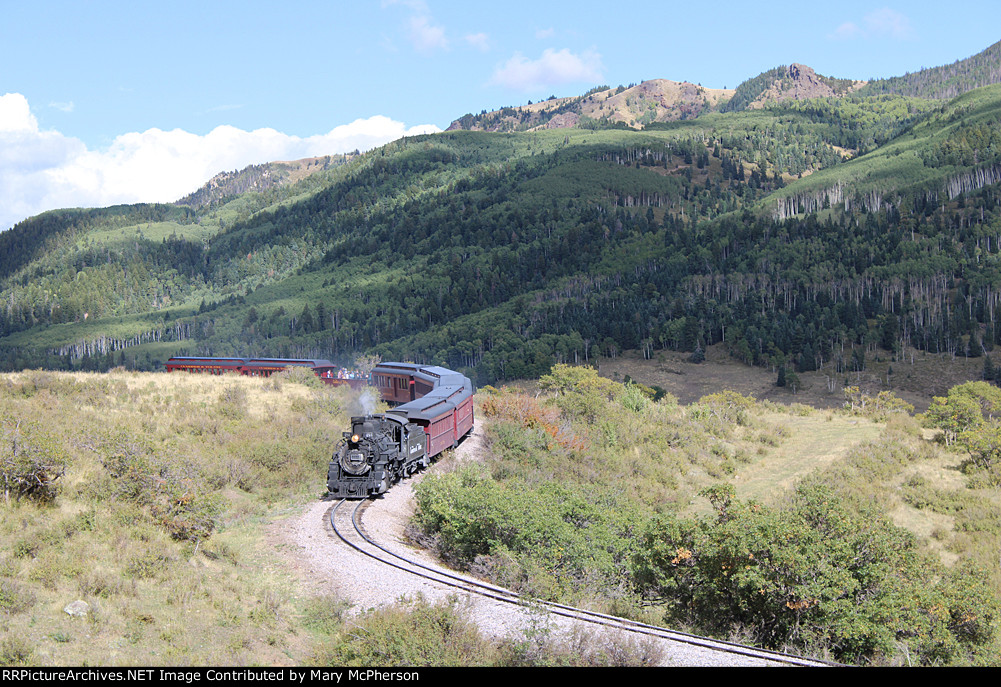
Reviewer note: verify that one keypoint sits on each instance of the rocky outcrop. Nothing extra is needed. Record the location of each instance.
(260, 178)
(565, 120)
(656, 100)
(800, 82)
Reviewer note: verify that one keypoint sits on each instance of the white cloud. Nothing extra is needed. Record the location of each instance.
(887, 22)
(545, 33)
(426, 36)
(44, 170)
(15, 114)
(847, 30)
(423, 33)
(881, 23)
(480, 41)
(553, 68)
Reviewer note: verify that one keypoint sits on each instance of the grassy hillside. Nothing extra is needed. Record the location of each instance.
(156, 517)
(166, 486)
(821, 532)
(827, 234)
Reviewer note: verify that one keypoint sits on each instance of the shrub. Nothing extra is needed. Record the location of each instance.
(813, 575)
(548, 539)
(880, 407)
(412, 633)
(173, 492)
(15, 651)
(14, 598)
(325, 614)
(233, 402)
(966, 406)
(579, 392)
(539, 646)
(31, 461)
(299, 375)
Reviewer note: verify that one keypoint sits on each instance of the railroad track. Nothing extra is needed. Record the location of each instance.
(347, 526)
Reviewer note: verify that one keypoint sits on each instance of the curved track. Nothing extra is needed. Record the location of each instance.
(347, 526)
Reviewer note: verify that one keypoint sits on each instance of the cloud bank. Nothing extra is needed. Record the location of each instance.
(46, 170)
(553, 68)
(878, 24)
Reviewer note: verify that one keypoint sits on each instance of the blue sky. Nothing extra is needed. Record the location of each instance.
(107, 102)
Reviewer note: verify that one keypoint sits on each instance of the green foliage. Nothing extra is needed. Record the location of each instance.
(174, 492)
(721, 411)
(579, 392)
(750, 90)
(983, 441)
(418, 633)
(970, 416)
(946, 81)
(966, 406)
(503, 254)
(880, 407)
(548, 540)
(816, 575)
(31, 460)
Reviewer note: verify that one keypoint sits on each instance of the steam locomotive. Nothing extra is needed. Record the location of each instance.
(433, 411)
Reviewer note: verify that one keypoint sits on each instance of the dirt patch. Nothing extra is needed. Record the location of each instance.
(915, 378)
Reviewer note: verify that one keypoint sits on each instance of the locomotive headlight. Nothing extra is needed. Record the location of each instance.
(355, 438)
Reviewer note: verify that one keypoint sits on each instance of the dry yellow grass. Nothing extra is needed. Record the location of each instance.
(810, 443)
(259, 447)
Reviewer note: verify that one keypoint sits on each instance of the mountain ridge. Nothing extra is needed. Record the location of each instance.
(663, 100)
(783, 232)
(260, 177)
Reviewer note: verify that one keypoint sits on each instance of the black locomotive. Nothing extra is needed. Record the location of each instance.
(435, 411)
(378, 451)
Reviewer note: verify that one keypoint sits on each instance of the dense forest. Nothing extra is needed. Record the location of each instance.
(806, 233)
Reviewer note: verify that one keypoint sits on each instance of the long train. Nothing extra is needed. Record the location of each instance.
(433, 411)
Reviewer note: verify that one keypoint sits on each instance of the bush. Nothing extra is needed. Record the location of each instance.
(14, 598)
(233, 402)
(579, 392)
(539, 645)
(31, 461)
(325, 614)
(173, 492)
(880, 407)
(413, 633)
(548, 539)
(298, 375)
(815, 575)
(15, 651)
